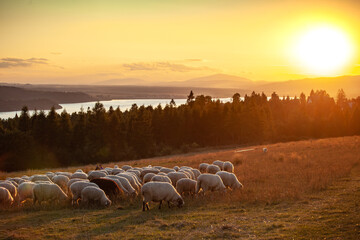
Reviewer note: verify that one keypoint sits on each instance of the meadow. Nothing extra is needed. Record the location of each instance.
(297, 190)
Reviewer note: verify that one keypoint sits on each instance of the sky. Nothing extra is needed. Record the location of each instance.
(88, 41)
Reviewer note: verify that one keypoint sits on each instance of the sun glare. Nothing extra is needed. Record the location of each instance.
(323, 50)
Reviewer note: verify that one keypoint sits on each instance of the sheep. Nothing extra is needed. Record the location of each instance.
(108, 170)
(196, 173)
(96, 174)
(11, 188)
(50, 174)
(203, 167)
(109, 186)
(219, 163)
(162, 173)
(68, 174)
(229, 167)
(213, 169)
(175, 176)
(135, 175)
(25, 191)
(176, 168)
(230, 180)
(71, 181)
(158, 192)
(61, 181)
(125, 184)
(166, 170)
(118, 183)
(16, 179)
(116, 171)
(157, 167)
(35, 178)
(48, 192)
(80, 175)
(159, 178)
(131, 179)
(6, 199)
(126, 167)
(148, 177)
(188, 172)
(148, 170)
(186, 185)
(25, 177)
(137, 172)
(79, 170)
(77, 187)
(91, 194)
(209, 182)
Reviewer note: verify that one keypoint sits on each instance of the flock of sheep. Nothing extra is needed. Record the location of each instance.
(101, 187)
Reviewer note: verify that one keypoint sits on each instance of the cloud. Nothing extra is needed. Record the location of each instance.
(162, 66)
(19, 62)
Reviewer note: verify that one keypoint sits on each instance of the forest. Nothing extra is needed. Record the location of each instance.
(98, 135)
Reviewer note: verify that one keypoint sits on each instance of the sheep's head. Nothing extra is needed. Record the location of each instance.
(107, 203)
(180, 202)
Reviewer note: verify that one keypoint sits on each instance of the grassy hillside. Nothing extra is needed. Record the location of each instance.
(301, 190)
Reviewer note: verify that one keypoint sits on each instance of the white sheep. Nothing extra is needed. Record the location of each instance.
(48, 192)
(136, 177)
(94, 194)
(125, 184)
(209, 182)
(11, 188)
(158, 192)
(77, 187)
(228, 166)
(157, 167)
(159, 178)
(148, 177)
(116, 171)
(162, 173)
(132, 181)
(68, 174)
(166, 170)
(230, 180)
(71, 181)
(176, 176)
(126, 167)
(212, 169)
(96, 174)
(6, 199)
(25, 191)
(188, 172)
(80, 175)
(136, 172)
(146, 170)
(40, 177)
(61, 181)
(186, 185)
(196, 173)
(219, 163)
(50, 174)
(203, 167)
(176, 168)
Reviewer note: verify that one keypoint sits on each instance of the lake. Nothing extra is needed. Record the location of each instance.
(124, 104)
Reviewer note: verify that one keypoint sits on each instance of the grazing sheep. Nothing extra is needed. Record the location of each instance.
(188, 172)
(203, 167)
(80, 175)
(25, 177)
(157, 167)
(213, 169)
(186, 185)
(219, 163)
(148, 177)
(77, 187)
(68, 174)
(108, 170)
(16, 180)
(116, 171)
(137, 172)
(71, 181)
(229, 180)
(176, 176)
(196, 173)
(25, 191)
(61, 181)
(209, 182)
(48, 192)
(148, 170)
(158, 192)
(96, 174)
(159, 178)
(125, 184)
(166, 170)
(162, 173)
(118, 183)
(79, 170)
(11, 187)
(109, 186)
(136, 177)
(229, 167)
(176, 168)
(35, 178)
(131, 179)
(50, 174)
(126, 167)
(94, 194)
(6, 199)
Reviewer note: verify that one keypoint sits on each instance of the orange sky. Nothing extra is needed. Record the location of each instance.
(84, 42)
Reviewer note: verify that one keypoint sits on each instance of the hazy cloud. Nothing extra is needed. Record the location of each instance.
(163, 66)
(19, 62)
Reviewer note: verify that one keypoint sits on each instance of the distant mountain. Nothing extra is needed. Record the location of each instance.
(123, 81)
(14, 98)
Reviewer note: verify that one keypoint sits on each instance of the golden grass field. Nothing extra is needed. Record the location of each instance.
(297, 190)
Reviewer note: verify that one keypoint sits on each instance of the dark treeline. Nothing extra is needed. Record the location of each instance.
(99, 136)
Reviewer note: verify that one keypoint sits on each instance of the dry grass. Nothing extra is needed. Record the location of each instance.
(298, 190)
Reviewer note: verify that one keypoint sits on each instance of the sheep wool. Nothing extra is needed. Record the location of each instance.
(230, 180)
(94, 194)
(209, 182)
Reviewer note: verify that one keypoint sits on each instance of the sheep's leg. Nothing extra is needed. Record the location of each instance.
(160, 204)
(147, 206)
(169, 204)
(143, 208)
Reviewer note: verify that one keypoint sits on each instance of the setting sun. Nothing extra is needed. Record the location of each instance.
(323, 50)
